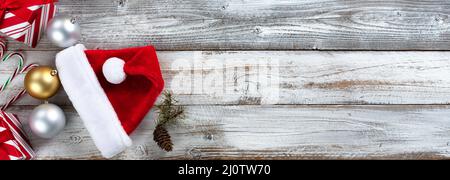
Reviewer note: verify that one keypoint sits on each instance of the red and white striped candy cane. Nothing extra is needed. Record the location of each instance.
(16, 71)
(2, 46)
(22, 92)
(19, 70)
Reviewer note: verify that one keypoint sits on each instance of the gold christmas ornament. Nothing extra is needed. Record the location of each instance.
(42, 82)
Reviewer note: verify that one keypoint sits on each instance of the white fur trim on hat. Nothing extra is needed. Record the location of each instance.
(89, 99)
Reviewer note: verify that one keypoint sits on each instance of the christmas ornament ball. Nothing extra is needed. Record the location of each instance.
(63, 31)
(42, 82)
(47, 120)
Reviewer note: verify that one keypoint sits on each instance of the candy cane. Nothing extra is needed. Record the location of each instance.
(19, 70)
(14, 99)
(16, 71)
(2, 46)
(22, 92)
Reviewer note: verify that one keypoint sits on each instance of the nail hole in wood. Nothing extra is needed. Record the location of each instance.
(257, 30)
(121, 3)
(75, 139)
(195, 153)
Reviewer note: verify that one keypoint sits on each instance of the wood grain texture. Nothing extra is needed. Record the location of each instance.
(263, 104)
(262, 24)
(289, 77)
(274, 132)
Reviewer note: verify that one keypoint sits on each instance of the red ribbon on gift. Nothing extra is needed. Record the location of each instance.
(13, 6)
(19, 8)
(24, 20)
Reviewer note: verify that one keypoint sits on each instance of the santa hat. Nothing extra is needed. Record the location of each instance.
(112, 90)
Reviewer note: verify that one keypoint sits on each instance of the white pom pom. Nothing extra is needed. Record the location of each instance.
(113, 70)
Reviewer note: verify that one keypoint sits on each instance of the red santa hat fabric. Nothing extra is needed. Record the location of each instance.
(112, 90)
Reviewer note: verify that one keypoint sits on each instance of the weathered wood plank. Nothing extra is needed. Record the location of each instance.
(291, 77)
(275, 132)
(263, 25)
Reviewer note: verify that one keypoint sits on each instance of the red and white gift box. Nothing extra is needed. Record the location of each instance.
(25, 20)
(13, 142)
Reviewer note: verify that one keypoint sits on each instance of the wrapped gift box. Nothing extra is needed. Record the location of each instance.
(13, 142)
(25, 20)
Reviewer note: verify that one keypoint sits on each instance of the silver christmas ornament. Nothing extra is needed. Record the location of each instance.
(63, 31)
(47, 120)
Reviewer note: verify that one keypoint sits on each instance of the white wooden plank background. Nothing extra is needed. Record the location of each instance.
(275, 132)
(262, 24)
(248, 95)
(290, 77)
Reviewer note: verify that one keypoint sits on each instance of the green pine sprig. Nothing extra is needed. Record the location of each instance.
(169, 112)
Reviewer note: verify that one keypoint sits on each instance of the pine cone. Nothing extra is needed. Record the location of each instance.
(162, 138)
